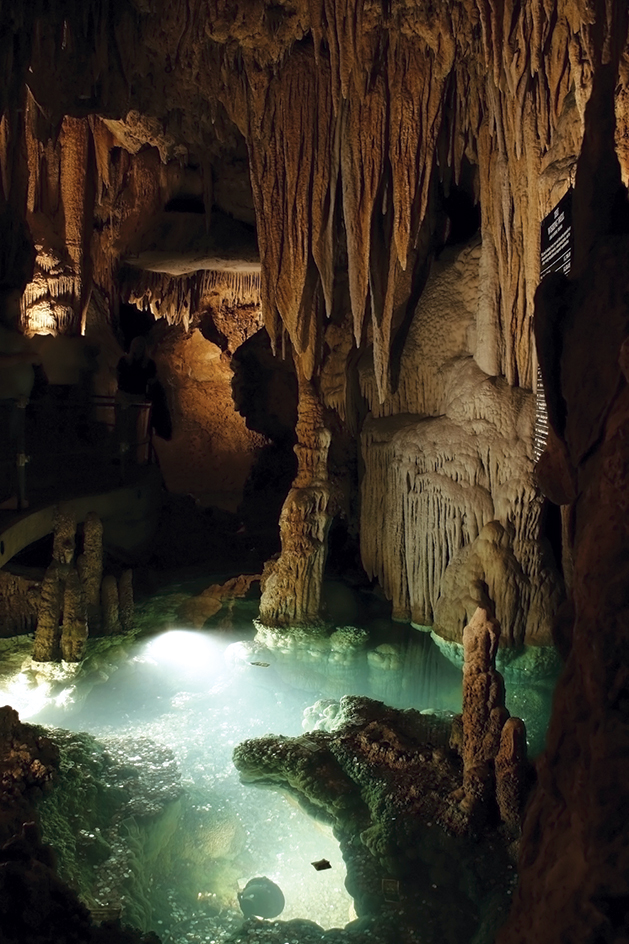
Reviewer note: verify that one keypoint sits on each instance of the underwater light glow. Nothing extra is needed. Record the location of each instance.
(184, 650)
(25, 698)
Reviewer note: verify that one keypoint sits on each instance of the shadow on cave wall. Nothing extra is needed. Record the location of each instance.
(264, 388)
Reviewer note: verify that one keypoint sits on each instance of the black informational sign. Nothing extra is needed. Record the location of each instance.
(556, 256)
(556, 247)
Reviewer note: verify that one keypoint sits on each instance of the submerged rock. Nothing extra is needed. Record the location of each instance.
(261, 898)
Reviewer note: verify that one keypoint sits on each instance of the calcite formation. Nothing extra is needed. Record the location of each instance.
(62, 613)
(573, 828)
(198, 609)
(75, 597)
(484, 712)
(19, 598)
(291, 585)
(450, 515)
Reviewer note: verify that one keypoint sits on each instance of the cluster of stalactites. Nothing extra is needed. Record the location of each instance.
(349, 108)
(179, 298)
(350, 123)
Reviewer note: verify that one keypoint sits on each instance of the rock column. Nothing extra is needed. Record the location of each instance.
(90, 566)
(292, 585)
(484, 712)
(62, 615)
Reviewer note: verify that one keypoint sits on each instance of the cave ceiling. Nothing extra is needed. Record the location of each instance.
(330, 124)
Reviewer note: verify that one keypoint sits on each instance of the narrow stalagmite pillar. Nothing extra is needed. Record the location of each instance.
(511, 767)
(65, 537)
(110, 604)
(126, 605)
(46, 645)
(90, 567)
(74, 625)
(484, 712)
(291, 586)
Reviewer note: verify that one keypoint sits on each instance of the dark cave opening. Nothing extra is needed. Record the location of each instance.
(550, 529)
(185, 204)
(133, 322)
(264, 390)
(463, 215)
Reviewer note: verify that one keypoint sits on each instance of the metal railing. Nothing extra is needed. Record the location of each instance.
(62, 443)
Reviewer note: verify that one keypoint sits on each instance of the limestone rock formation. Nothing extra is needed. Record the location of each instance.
(390, 786)
(573, 827)
(62, 613)
(487, 573)
(74, 622)
(291, 585)
(46, 645)
(90, 564)
(511, 779)
(198, 609)
(484, 712)
(432, 484)
(110, 603)
(126, 606)
(19, 598)
(76, 599)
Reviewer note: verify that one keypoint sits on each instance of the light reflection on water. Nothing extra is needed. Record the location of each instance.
(197, 693)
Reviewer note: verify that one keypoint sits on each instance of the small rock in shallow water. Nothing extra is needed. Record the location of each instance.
(261, 897)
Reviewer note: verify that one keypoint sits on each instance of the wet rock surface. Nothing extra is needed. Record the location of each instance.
(390, 789)
(111, 818)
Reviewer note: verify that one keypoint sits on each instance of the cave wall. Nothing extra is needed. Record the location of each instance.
(572, 866)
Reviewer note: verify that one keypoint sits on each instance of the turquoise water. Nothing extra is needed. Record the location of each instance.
(193, 695)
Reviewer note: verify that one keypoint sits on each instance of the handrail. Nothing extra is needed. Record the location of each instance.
(57, 438)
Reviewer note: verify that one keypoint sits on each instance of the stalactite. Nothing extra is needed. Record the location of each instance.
(394, 84)
(179, 298)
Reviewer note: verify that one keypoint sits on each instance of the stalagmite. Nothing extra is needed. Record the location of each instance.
(46, 645)
(125, 596)
(90, 567)
(64, 537)
(74, 624)
(49, 644)
(111, 606)
(511, 769)
(484, 713)
(291, 586)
